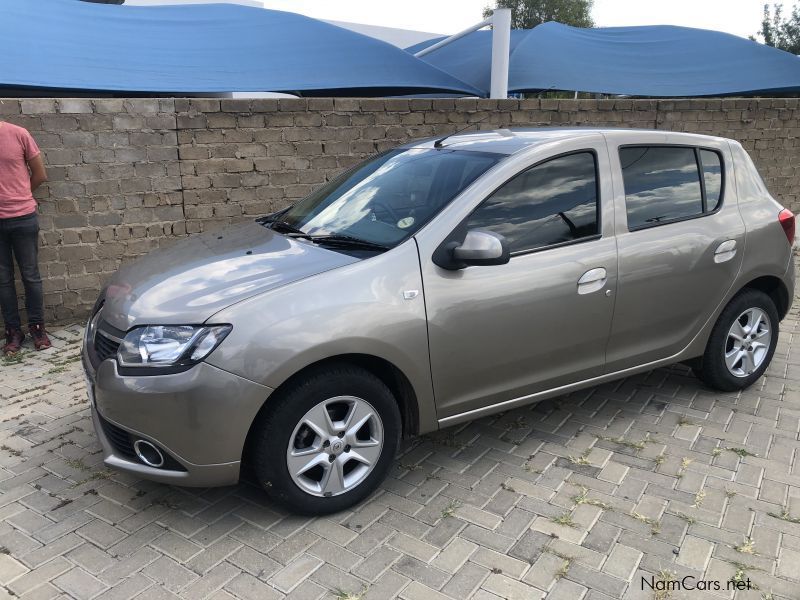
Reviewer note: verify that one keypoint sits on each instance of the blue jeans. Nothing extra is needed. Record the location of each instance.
(19, 239)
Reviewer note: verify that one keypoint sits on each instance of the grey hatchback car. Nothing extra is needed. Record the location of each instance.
(432, 284)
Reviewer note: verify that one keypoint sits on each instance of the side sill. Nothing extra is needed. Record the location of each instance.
(477, 413)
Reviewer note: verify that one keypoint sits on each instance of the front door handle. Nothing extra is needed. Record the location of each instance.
(592, 281)
(725, 251)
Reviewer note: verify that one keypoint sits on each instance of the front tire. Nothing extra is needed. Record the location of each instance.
(327, 441)
(742, 343)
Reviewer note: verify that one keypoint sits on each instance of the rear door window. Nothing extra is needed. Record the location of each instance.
(664, 184)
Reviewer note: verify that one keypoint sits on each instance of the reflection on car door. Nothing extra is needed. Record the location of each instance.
(502, 332)
(680, 241)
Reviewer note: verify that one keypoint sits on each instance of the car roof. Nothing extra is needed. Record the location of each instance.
(511, 141)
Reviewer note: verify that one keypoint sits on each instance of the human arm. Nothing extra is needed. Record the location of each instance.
(38, 172)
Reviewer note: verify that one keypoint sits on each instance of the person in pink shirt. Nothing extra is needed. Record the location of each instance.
(21, 172)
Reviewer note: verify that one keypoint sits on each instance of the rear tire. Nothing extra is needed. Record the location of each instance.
(742, 343)
(315, 422)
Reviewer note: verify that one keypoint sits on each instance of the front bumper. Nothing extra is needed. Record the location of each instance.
(198, 418)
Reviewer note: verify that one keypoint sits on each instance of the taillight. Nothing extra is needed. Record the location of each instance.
(786, 219)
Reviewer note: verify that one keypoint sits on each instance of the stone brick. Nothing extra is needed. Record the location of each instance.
(295, 573)
(37, 106)
(75, 105)
(79, 584)
(418, 591)
(788, 562)
(499, 562)
(622, 562)
(10, 569)
(247, 587)
(510, 589)
(9, 107)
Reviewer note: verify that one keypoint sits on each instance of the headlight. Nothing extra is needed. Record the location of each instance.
(169, 345)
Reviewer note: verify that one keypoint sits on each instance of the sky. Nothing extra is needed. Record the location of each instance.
(740, 17)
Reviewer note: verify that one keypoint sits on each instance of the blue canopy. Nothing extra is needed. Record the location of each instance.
(658, 61)
(71, 45)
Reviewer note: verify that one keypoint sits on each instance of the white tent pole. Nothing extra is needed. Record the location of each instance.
(454, 37)
(501, 47)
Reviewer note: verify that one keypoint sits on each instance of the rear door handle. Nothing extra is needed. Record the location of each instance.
(592, 281)
(725, 251)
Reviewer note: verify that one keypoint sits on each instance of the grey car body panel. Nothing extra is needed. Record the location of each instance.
(497, 332)
(357, 309)
(197, 277)
(173, 410)
(470, 342)
(654, 316)
(765, 252)
(194, 475)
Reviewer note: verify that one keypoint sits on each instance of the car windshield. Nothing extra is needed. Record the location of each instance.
(387, 198)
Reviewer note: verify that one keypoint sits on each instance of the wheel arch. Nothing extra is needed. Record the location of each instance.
(392, 376)
(773, 287)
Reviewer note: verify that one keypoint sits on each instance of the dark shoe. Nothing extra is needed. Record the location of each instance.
(14, 337)
(39, 335)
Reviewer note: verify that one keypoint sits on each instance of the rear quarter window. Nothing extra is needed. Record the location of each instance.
(712, 177)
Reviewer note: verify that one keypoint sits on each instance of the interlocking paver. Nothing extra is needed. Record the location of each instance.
(702, 481)
(417, 591)
(211, 581)
(169, 573)
(788, 562)
(376, 564)
(127, 588)
(79, 584)
(565, 589)
(247, 587)
(466, 580)
(39, 576)
(622, 562)
(543, 572)
(10, 569)
(388, 585)
(293, 574)
(499, 562)
(90, 558)
(511, 589)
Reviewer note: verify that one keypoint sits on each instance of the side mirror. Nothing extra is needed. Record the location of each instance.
(481, 248)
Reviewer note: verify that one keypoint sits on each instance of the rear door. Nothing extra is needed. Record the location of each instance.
(680, 242)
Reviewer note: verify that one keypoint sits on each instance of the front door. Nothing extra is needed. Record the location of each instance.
(503, 332)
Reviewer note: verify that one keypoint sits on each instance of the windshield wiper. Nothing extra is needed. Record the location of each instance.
(341, 240)
(284, 227)
(333, 239)
(272, 217)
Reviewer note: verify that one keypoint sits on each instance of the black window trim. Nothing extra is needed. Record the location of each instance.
(598, 210)
(701, 174)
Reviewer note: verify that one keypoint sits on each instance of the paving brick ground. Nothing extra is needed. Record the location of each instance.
(577, 498)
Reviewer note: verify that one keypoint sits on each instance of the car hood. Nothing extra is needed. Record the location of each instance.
(202, 274)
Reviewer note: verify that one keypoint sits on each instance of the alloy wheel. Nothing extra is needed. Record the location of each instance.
(335, 446)
(748, 342)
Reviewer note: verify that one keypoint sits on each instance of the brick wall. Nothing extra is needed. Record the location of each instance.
(128, 175)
